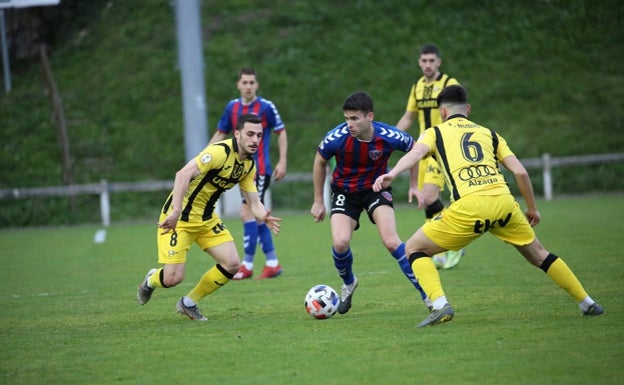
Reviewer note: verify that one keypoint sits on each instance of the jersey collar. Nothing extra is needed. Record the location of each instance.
(457, 116)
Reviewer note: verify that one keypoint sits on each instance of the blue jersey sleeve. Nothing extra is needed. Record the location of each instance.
(397, 139)
(273, 117)
(333, 141)
(225, 124)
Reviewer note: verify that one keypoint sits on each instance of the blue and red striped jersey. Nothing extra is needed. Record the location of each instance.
(358, 163)
(271, 122)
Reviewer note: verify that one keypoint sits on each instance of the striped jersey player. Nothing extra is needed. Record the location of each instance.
(361, 148)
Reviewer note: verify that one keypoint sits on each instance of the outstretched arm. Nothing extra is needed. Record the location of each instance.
(525, 186)
(407, 161)
(260, 212)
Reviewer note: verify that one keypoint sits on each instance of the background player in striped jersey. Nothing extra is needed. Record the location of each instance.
(361, 147)
(188, 216)
(480, 202)
(422, 105)
(253, 231)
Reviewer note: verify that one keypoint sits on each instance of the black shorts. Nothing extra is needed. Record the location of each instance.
(352, 204)
(262, 184)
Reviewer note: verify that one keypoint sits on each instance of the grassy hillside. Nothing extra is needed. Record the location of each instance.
(545, 74)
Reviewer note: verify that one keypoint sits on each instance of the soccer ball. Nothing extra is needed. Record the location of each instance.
(321, 302)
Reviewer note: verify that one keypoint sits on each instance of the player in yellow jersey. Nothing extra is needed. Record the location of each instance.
(422, 105)
(481, 202)
(188, 216)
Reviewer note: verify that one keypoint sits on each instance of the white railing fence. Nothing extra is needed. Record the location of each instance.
(230, 204)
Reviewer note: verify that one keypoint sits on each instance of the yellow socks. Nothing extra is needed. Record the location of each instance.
(209, 282)
(564, 277)
(428, 277)
(154, 280)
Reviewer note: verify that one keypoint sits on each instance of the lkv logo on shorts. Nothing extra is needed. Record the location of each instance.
(375, 154)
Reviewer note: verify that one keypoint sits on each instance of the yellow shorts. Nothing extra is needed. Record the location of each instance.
(173, 246)
(472, 216)
(430, 172)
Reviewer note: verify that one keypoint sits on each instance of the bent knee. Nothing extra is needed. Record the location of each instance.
(391, 244)
(231, 265)
(340, 246)
(170, 280)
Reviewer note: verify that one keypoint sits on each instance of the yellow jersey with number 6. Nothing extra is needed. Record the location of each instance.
(468, 155)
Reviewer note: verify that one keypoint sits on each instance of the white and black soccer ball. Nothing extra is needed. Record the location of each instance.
(322, 301)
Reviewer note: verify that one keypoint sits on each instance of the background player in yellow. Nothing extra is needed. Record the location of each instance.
(422, 105)
(481, 202)
(188, 216)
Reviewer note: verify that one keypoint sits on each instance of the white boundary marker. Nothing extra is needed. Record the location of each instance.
(100, 236)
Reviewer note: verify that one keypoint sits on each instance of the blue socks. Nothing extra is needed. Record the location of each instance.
(344, 265)
(250, 240)
(406, 268)
(266, 240)
(254, 232)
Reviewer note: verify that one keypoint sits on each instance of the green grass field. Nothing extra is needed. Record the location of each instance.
(69, 314)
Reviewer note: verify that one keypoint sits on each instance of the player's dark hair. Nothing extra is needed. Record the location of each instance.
(454, 94)
(429, 48)
(358, 101)
(251, 118)
(246, 71)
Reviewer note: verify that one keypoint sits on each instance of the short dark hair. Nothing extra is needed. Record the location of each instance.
(430, 48)
(244, 118)
(358, 101)
(454, 94)
(246, 71)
